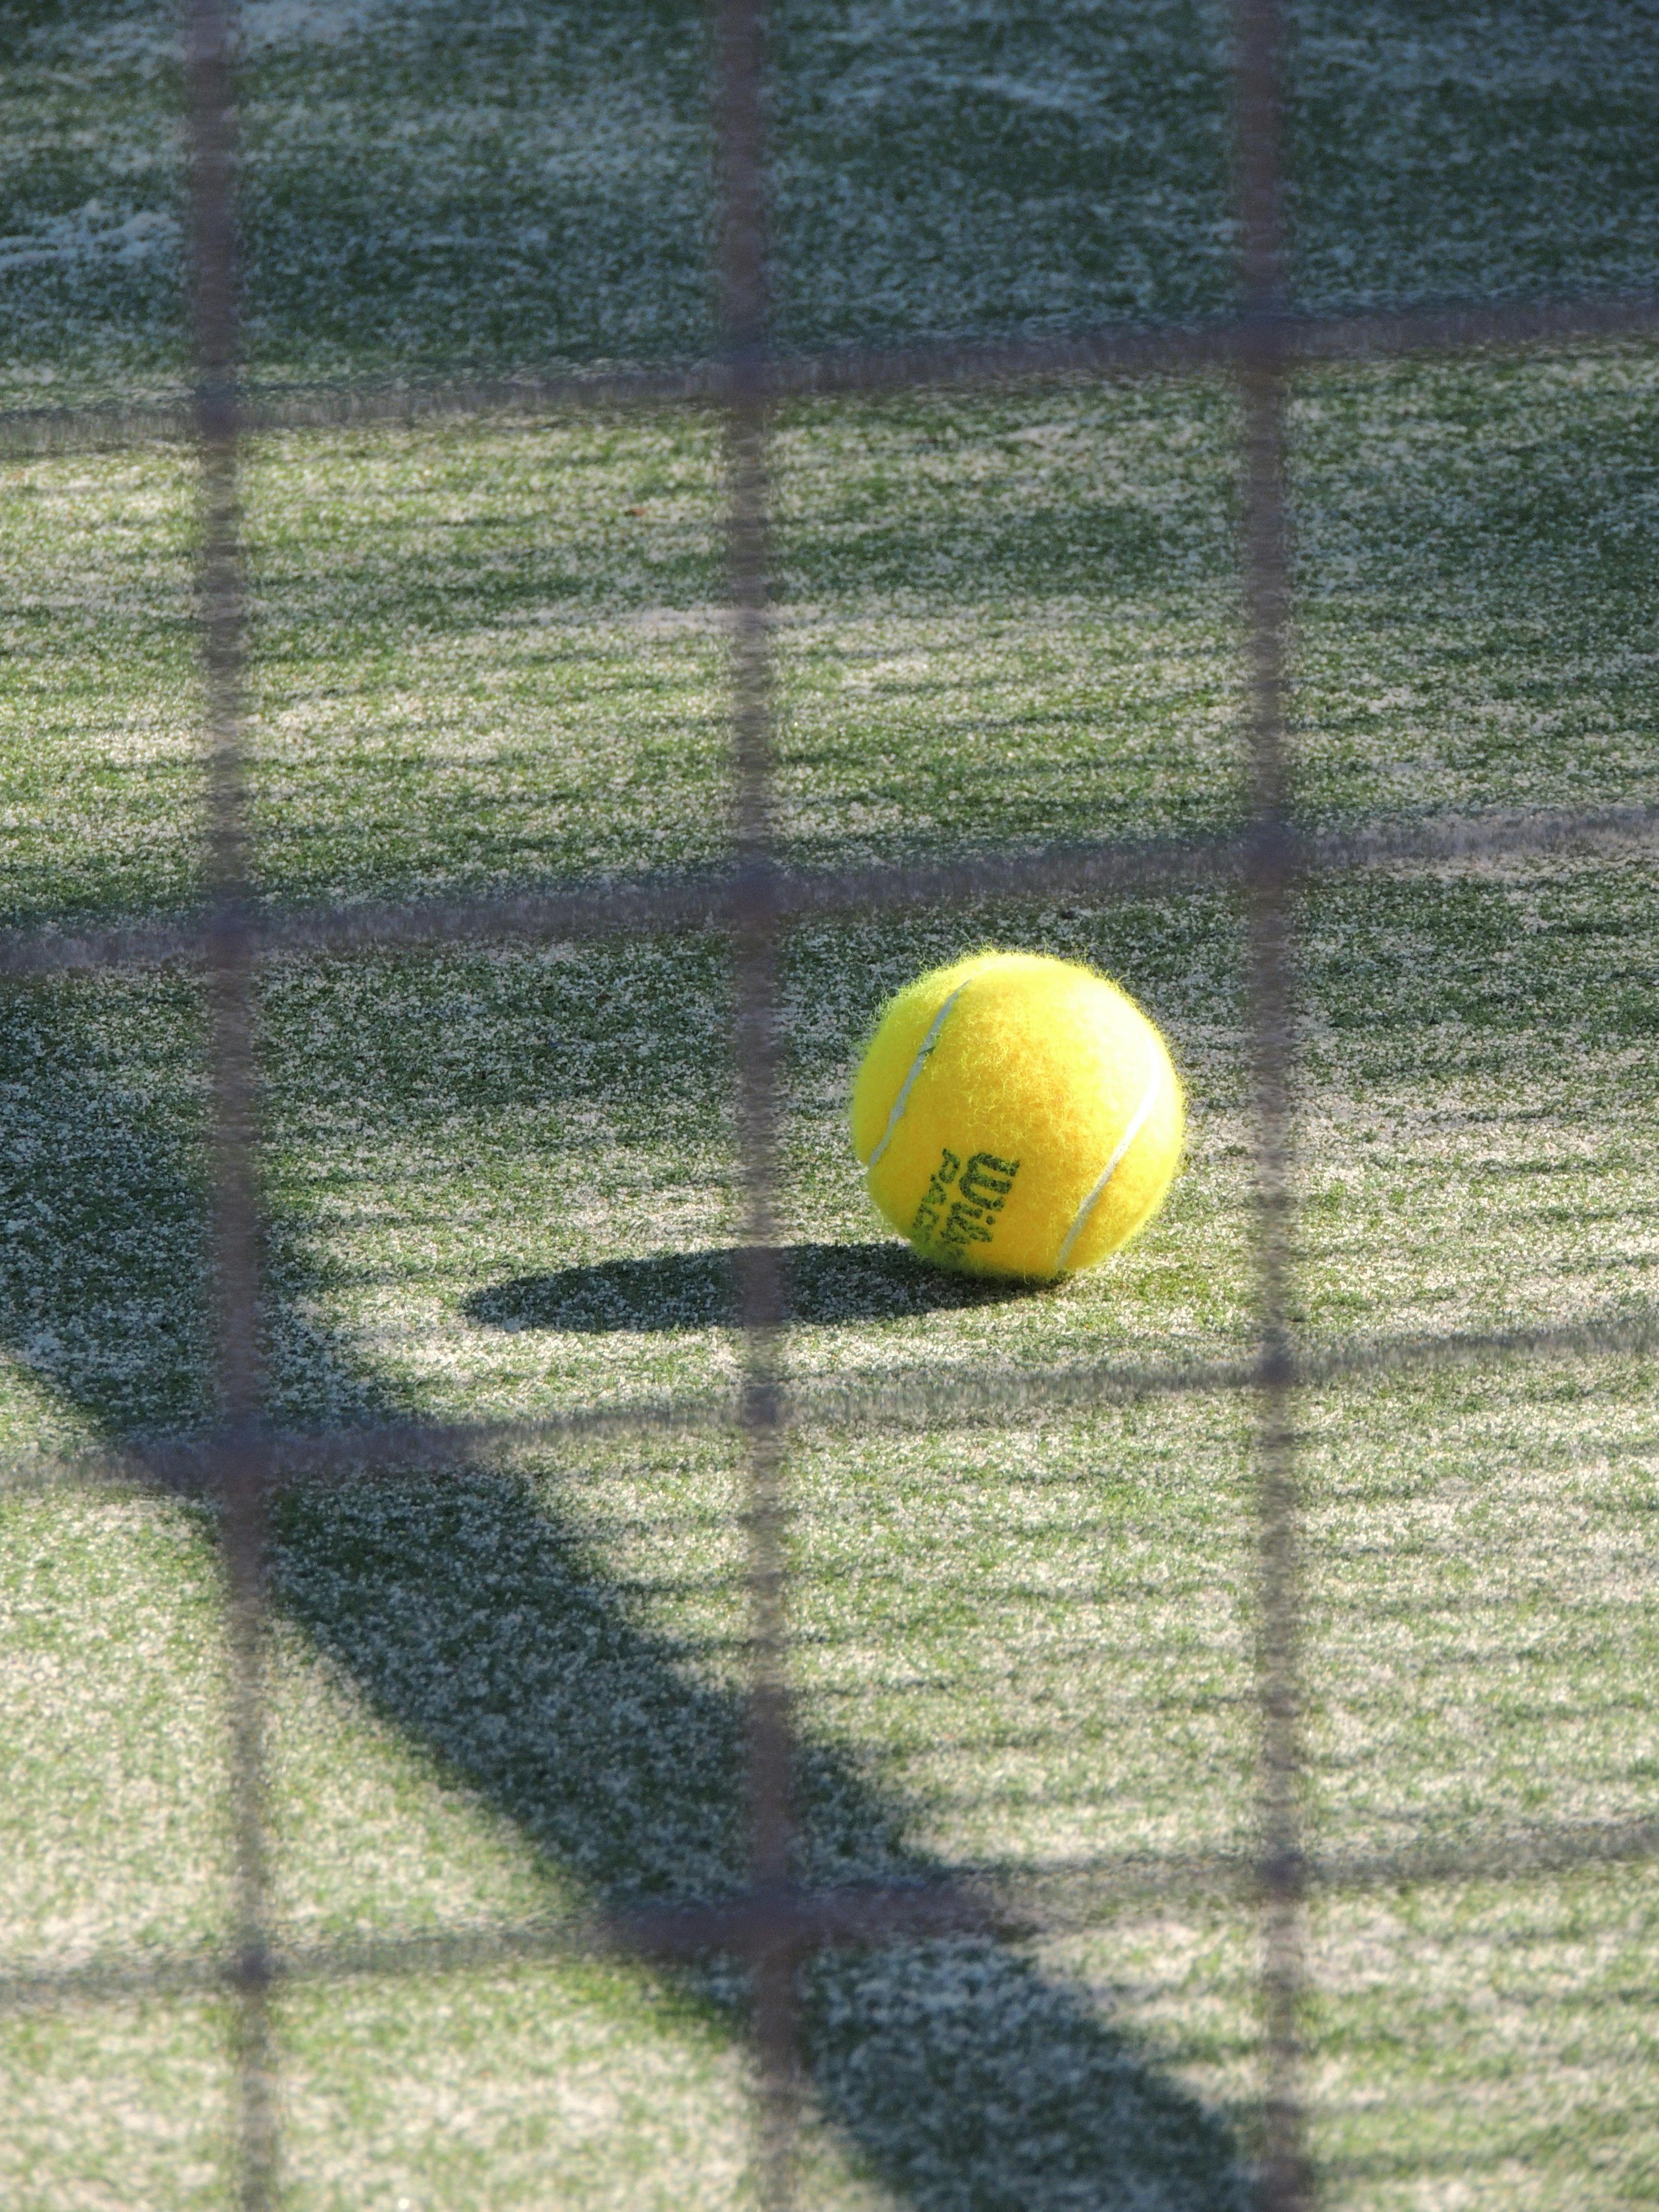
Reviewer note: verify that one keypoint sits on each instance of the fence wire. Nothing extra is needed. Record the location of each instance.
(795, 897)
(235, 1228)
(1018, 1903)
(1284, 2185)
(1265, 858)
(925, 1400)
(1114, 354)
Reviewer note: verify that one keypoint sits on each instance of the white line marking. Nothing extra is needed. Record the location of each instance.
(1137, 1123)
(916, 1067)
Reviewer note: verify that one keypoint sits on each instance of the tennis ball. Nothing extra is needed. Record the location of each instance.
(1019, 1116)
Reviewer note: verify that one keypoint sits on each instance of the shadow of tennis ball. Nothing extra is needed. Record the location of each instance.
(827, 1284)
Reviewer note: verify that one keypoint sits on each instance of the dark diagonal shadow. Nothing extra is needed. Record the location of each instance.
(826, 1283)
(964, 2076)
(475, 1614)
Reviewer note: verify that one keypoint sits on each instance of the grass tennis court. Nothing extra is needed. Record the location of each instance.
(504, 1182)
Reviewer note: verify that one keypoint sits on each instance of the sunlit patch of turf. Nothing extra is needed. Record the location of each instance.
(504, 1181)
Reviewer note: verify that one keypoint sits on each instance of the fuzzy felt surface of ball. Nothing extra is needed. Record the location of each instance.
(1017, 1114)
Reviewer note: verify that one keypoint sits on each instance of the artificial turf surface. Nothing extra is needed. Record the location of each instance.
(502, 1182)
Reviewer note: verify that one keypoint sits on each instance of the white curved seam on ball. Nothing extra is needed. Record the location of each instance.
(916, 1067)
(1137, 1123)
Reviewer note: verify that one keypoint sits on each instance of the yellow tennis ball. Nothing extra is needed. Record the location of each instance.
(1019, 1116)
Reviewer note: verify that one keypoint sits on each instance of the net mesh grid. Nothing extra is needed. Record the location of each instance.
(242, 1464)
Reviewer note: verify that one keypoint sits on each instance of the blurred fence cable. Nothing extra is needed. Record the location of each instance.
(240, 1447)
